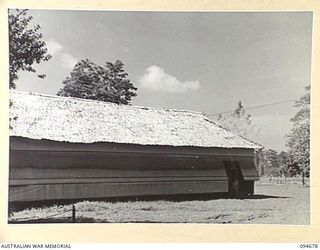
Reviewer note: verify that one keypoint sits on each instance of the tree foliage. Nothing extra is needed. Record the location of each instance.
(298, 140)
(25, 45)
(90, 81)
(272, 163)
(239, 122)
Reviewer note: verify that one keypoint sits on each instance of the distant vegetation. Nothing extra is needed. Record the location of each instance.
(294, 162)
(298, 140)
(26, 47)
(87, 80)
(90, 81)
(239, 122)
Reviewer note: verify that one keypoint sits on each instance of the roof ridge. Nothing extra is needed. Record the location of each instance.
(218, 125)
(108, 103)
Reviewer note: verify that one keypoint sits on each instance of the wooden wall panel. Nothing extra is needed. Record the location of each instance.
(248, 170)
(47, 173)
(53, 181)
(102, 190)
(20, 143)
(69, 159)
(47, 170)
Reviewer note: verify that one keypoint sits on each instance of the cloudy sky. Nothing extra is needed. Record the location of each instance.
(204, 61)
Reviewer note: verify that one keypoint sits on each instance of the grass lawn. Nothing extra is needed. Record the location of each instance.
(271, 204)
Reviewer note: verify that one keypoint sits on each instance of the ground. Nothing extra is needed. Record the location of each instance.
(271, 204)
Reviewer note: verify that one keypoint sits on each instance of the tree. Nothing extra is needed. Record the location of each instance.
(273, 163)
(25, 45)
(284, 163)
(298, 140)
(239, 122)
(90, 81)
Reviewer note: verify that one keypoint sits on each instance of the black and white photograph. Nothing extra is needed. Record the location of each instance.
(159, 116)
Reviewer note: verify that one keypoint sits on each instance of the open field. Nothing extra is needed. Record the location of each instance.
(271, 204)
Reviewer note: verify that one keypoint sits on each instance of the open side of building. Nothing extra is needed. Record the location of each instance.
(68, 148)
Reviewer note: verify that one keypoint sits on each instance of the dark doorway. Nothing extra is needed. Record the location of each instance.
(235, 177)
(237, 186)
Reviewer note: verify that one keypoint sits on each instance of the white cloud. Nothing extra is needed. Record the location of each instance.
(68, 61)
(56, 49)
(53, 47)
(155, 78)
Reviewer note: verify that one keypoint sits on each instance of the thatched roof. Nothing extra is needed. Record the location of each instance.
(86, 121)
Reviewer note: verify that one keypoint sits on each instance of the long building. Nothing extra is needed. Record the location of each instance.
(64, 148)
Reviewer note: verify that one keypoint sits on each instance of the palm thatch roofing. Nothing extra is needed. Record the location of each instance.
(67, 119)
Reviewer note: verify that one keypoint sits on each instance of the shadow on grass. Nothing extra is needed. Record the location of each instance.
(174, 198)
(260, 196)
(18, 206)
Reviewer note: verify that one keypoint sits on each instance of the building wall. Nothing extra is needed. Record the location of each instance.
(48, 170)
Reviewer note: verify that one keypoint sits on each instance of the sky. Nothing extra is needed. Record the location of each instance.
(201, 61)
